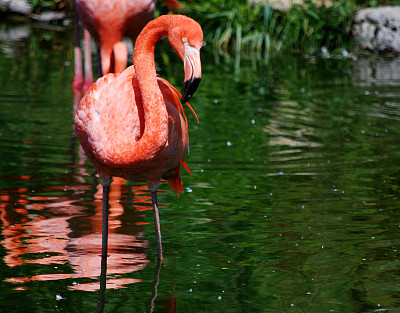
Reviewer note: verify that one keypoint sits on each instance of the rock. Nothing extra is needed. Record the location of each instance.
(47, 17)
(378, 29)
(16, 6)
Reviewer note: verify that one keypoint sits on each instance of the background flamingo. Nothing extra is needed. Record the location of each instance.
(130, 125)
(108, 21)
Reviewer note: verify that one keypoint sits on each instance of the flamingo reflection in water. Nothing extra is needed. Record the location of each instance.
(54, 230)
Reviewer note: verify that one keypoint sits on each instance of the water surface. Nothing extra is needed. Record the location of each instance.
(292, 206)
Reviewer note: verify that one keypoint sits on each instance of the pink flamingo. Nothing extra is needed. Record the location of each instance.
(130, 124)
(108, 21)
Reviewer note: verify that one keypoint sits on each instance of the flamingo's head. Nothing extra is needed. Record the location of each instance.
(186, 37)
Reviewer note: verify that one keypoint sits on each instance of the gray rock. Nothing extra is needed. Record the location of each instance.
(16, 6)
(47, 17)
(378, 29)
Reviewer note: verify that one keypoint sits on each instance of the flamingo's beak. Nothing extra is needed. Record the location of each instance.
(192, 66)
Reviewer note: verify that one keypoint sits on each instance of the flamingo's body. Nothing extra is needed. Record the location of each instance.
(109, 20)
(130, 124)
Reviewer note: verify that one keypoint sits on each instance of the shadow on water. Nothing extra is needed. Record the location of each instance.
(293, 203)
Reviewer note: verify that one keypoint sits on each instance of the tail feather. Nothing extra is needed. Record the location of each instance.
(176, 182)
(186, 167)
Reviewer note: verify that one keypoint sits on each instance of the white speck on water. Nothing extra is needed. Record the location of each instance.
(366, 92)
(308, 292)
(188, 189)
(228, 143)
(201, 171)
(219, 297)
(215, 101)
(190, 289)
(58, 297)
(253, 121)
(254, 187)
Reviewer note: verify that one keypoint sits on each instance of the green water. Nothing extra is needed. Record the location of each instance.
(292, 206)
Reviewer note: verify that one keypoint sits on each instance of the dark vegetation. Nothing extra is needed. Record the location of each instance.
(238, 26)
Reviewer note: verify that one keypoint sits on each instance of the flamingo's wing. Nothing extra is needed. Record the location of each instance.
(172, 96)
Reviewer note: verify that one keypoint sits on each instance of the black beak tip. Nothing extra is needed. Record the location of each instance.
(189, 88)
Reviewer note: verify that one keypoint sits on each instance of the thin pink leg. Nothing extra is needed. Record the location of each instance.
(88, 60)
(78, 74)
(157, 225)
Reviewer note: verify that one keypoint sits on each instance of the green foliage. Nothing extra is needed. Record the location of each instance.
(236, 25)
(309, 27)
(240, 26)
(43, 5)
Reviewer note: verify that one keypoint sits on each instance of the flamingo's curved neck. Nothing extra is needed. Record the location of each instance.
(155, 133)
